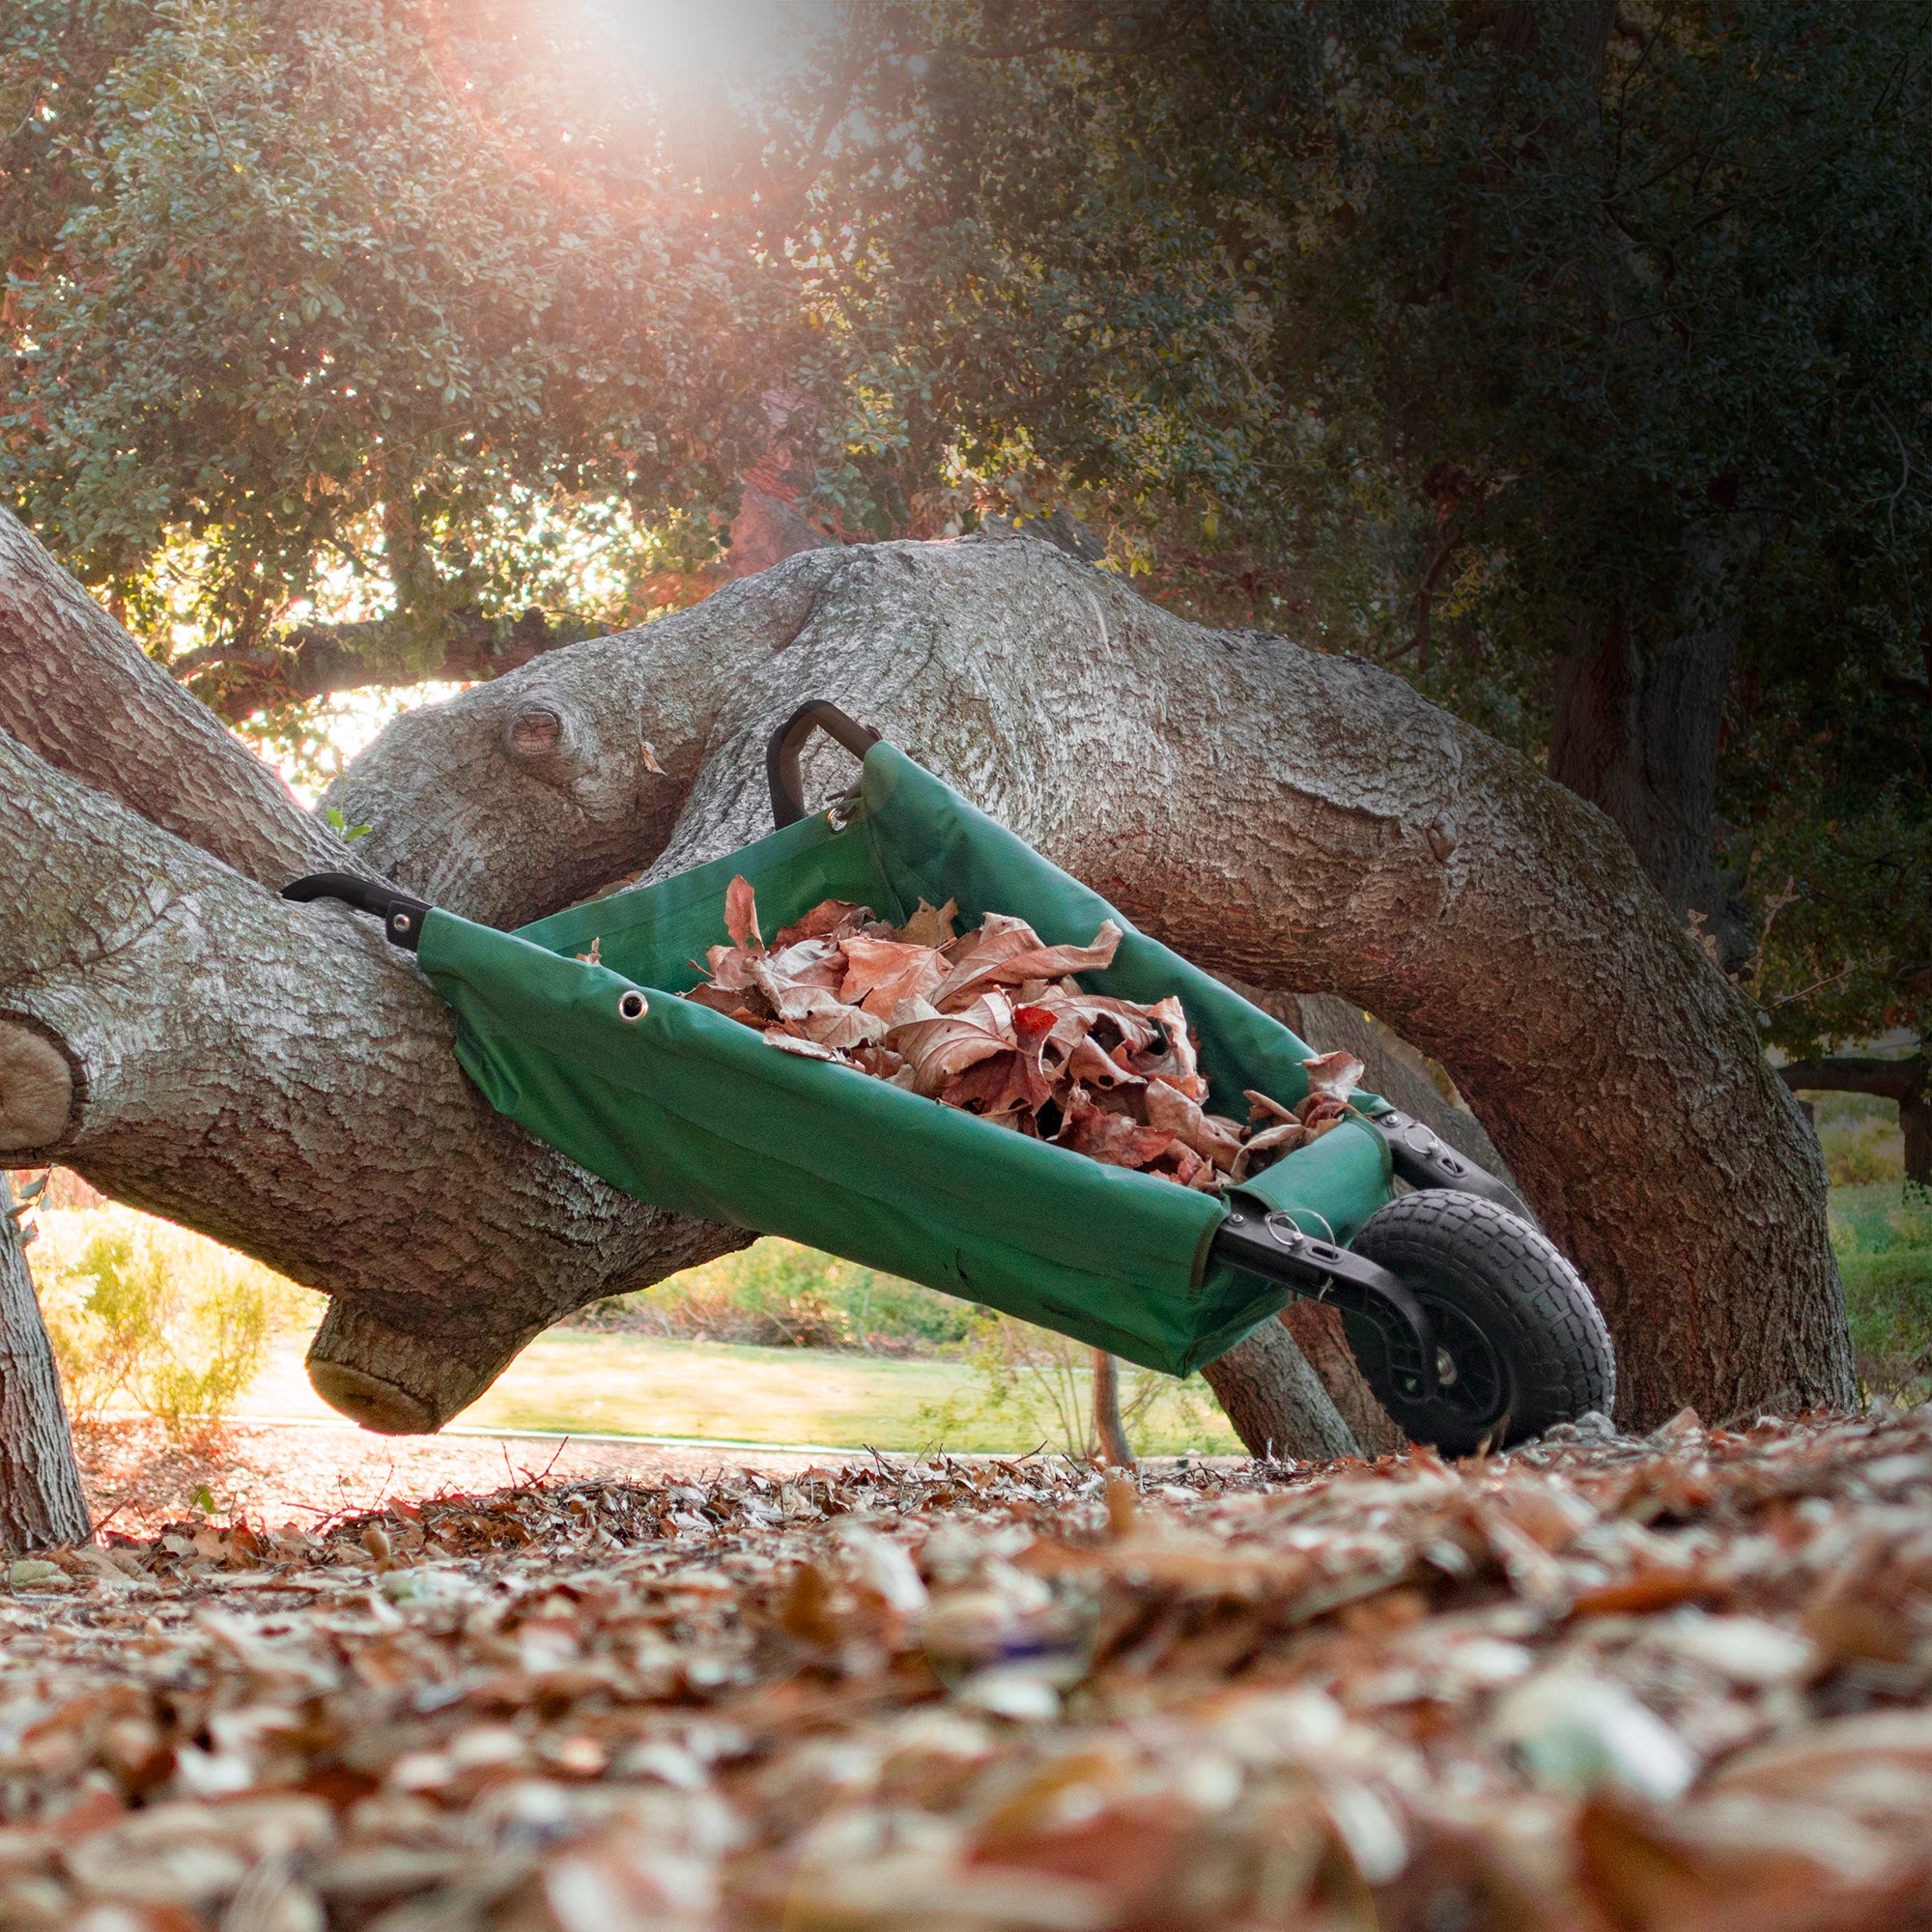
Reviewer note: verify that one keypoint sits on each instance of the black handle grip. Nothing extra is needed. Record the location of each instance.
(401, 917)
(787, 743)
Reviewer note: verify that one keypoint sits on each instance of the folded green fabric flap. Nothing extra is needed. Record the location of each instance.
(693, 1112)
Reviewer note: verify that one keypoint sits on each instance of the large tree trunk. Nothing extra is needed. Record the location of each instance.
(1296, 820)
(79, 691)
(41, 1503)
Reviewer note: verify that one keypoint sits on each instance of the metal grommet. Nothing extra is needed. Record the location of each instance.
(632, 1005)
(1301, 1233)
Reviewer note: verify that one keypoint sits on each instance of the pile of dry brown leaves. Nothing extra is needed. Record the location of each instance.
(1601, 1682)
(993, 1021)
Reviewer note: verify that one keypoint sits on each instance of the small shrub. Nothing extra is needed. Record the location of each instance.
(1036, 1388)
(104, 1311)
(1859, 1136)
(1883, 1235)
(1861, 1155)
(154, 1314)
(777, 1295)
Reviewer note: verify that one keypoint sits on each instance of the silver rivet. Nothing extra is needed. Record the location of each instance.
(402, 919)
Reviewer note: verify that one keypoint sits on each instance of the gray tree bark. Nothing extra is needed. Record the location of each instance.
(77, 690)
(1249, 1382)
(41, 1503)
(1296, 820)
(1110, 1433)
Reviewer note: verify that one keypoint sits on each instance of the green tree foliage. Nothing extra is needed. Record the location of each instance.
(351, 290)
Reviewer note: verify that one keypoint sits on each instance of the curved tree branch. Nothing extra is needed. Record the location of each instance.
(1296, 820)
(280, 1077)
(81, 694)
(1905, 1081)
(1888, 1079)
(319, 660)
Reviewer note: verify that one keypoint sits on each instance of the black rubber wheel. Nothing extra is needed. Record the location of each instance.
(1520, 1343)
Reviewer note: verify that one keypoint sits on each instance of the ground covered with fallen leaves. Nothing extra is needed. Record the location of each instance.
(138, 1479)
(1601, 1683)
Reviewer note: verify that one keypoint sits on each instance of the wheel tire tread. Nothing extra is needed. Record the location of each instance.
(1549, 1325)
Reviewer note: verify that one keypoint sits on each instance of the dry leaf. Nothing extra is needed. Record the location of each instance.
(930, 926)
(880, 973)
(826, 918)
(999, 961)
(938, 1050)
(741, 914)
(1213, 1138)
(1333, 1075)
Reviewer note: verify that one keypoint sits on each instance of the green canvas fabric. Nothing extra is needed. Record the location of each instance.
(692, 1111)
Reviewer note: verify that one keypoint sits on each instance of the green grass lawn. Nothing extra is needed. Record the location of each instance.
(645, 1385)
(618, 1384)
(1884, 1239)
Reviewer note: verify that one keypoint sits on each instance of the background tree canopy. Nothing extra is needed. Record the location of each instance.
(1571, 359)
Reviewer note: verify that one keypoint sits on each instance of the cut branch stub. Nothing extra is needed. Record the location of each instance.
(38, 1090)
(541, 740)
(399, 1384)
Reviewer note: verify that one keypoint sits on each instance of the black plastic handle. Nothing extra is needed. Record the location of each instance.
(787, 743)
(1272, 1246)
(401, 917)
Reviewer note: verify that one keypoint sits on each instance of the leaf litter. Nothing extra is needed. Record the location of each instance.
(1599, 1683)
(993, 1021)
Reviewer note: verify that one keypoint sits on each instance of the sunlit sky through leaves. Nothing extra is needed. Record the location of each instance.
(700, 63)
(722, 39)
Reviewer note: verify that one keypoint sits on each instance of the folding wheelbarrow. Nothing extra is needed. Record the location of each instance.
(1467, 1323)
